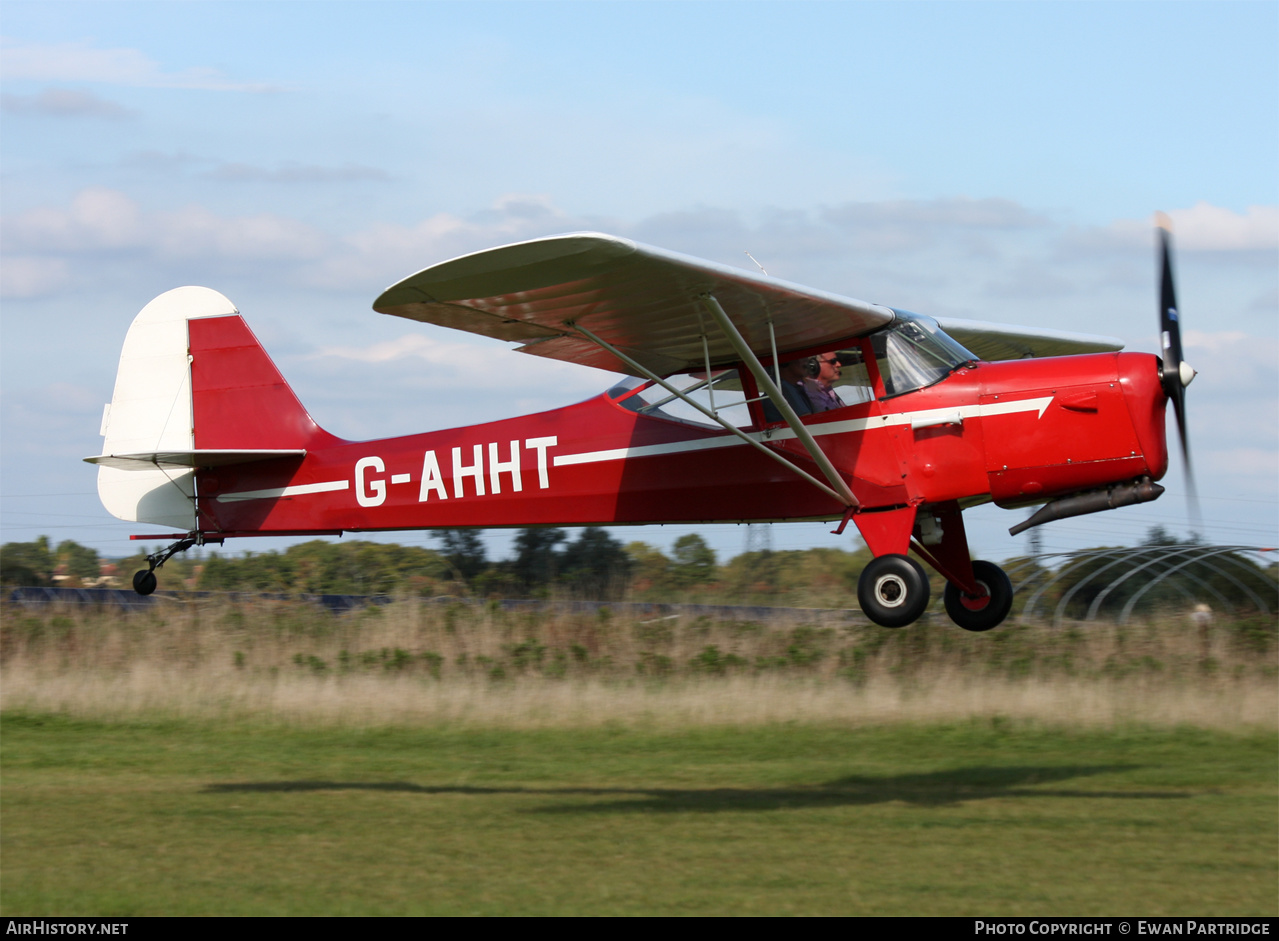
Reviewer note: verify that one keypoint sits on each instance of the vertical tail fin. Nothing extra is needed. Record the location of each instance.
(192, 377)
(239, 398)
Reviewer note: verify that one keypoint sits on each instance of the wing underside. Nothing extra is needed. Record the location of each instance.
(642, 300)
(648, 304)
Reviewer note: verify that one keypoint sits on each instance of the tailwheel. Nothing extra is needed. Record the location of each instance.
(984, 612)
(144, 582)
(893, 590)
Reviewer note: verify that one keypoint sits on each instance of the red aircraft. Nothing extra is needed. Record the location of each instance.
(720, 418)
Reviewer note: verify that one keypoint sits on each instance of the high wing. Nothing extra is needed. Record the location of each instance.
(642, 300)
(996, 341)
(646, 302)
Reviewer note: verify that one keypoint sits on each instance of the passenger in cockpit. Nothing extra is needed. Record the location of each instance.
(793, 376)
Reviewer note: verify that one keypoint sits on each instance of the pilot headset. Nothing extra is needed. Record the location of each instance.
(812, 368)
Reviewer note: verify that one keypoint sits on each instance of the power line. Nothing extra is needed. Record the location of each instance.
(28, 496)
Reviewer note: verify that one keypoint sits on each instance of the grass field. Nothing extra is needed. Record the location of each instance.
(285, 762)
(137, 818)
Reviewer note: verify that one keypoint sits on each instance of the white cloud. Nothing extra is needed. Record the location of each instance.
(1026, 279)
(1231, 343)
(105, 220)
(1240, 462)
(985, 259)
(1203, 228)
(1233, 411)
(196, 232)
(98, 218)
(410, 345)
(962, 212)
(419, 382)
(155, 161)
(1267, 301)
(1211, 228)
(457, 364)
(1242, 366)
(72, 396)
(894, 226)
(31, 276)
(292, 172)
(64, 103)
(82, 62)
(386, 252)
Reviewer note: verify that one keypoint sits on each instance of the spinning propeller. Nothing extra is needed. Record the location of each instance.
(1175, 373)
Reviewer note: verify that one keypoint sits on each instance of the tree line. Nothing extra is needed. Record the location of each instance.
(591, 563)
(545, 562)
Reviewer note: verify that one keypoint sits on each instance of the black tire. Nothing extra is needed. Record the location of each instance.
(144, 582)
(893, 590)
(981, 614)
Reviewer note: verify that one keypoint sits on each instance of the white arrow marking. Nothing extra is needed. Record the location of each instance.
(920, 419)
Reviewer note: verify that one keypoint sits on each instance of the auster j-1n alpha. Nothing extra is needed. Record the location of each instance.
(932, 417)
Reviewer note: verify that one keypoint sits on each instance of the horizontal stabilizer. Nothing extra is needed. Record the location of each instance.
(150, 460)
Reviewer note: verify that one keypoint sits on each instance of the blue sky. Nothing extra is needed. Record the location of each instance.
(997, 161)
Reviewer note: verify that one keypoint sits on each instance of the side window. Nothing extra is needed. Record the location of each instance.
(721, 393)
(853, 386)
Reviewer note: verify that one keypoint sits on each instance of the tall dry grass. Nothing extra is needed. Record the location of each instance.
(417, 663)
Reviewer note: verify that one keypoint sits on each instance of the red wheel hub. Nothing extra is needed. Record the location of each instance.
(976, 602)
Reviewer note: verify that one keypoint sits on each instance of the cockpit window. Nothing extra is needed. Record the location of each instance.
(915, 352)
(912, 353)
(625, 387)
(722, 394)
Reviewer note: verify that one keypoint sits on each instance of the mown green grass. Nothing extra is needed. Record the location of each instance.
(140, 817)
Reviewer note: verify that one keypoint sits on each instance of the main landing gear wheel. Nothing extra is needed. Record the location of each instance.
(987, 611)
(893, 590)
(144, 582)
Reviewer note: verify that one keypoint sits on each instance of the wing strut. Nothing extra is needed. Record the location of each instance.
(766, 383)
(848, 500)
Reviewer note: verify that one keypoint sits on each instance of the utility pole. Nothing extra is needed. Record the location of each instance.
(759, 540)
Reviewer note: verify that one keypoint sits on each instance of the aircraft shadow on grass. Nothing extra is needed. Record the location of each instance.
(933, 789)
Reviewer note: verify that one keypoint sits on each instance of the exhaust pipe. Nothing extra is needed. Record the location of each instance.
(1138, 491)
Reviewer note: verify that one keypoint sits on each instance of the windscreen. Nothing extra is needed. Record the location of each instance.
(915, 352)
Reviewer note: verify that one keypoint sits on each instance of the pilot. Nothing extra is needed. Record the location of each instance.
(793, 375)
(820, 388)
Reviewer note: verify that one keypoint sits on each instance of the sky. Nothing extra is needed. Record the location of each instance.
(994, 161)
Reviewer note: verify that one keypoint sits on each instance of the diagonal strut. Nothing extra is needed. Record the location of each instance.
(847, 500)
(766, 383)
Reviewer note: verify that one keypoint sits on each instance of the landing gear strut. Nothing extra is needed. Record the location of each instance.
(144, 582)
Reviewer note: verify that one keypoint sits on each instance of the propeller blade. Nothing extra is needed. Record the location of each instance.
(1192, 493)
(1169, 317)
(1175, 372)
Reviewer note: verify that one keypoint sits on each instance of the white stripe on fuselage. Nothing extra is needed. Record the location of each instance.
(294, 491)
(920, 419)
(924, 417)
